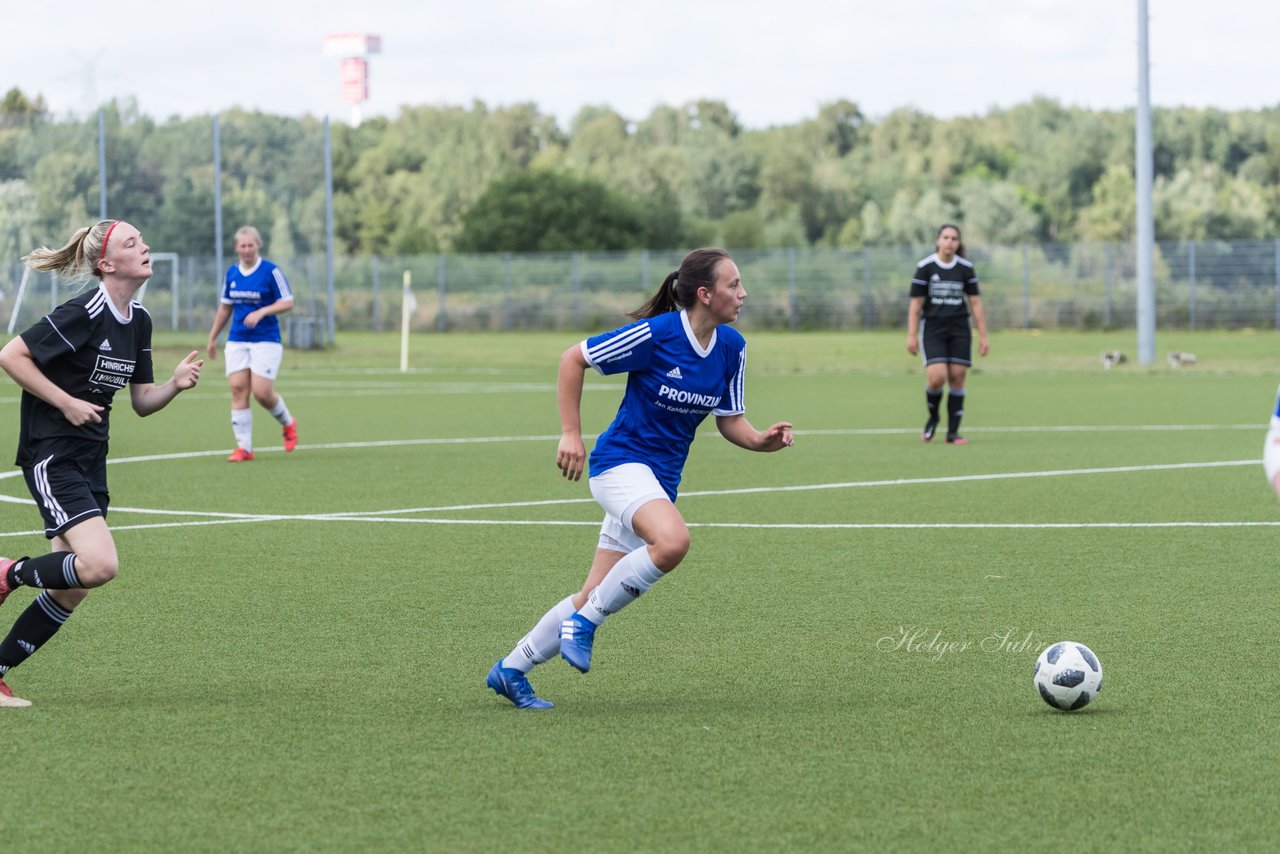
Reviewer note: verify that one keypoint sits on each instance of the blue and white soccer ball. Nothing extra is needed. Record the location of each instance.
(1068, 675)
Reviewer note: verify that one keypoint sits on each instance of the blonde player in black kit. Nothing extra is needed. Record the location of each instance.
(944, 291)
(70, 364)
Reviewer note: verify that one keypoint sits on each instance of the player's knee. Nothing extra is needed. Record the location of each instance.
(670, 549)
(96, 570)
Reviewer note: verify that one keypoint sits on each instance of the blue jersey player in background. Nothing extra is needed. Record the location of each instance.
(255, 291)
(683, 363)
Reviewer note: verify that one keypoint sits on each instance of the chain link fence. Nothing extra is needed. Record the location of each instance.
(1199, 285)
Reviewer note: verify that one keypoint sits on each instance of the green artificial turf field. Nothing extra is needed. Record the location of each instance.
(293, 656)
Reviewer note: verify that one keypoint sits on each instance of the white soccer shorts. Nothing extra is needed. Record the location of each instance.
(621, 491)
(261, 357)
(1271, 457)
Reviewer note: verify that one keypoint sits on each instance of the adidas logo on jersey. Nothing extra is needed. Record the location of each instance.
(105, 345)
(674, 373)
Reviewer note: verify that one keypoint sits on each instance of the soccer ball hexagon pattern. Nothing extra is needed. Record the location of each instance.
(1068, 676)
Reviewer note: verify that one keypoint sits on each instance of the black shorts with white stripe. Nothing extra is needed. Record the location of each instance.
(949, 341)
(69, 482)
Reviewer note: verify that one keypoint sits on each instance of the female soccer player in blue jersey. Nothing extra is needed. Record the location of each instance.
(70, 364)
(683, 363)
(255, 291)
(944, 291)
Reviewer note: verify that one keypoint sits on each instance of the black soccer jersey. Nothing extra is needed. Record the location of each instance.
(90, 351)
(944, 287)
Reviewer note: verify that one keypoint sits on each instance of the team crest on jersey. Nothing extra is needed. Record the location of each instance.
(674, 373)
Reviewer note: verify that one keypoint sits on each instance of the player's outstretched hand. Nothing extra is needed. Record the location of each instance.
(187, 374)
(777, 437)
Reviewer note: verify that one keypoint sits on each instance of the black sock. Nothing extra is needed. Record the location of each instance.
(955, 411)
(54, 571)
(33, 628)
(933, 399)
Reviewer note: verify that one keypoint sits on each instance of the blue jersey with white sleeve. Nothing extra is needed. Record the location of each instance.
(673, 384)
(248, 291)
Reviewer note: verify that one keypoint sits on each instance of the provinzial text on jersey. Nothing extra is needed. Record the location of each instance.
(677, 396)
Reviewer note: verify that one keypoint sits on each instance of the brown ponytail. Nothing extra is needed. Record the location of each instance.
(680, 288)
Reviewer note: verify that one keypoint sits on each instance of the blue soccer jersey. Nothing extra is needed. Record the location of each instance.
(248, 292)
(673, 384)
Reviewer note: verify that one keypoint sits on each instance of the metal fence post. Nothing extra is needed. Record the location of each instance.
(507, 313)
(1106, 255)
(331, 316)
(217, 199)
(102, 165)
(1026, 287)
(1277, 270)
(576, 276)
(375, 269)
(440, 291)
(791, 288)
(867, 299)
(1191, 281)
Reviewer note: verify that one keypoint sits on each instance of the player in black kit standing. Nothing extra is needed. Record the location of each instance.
(944, 291)
(70, 364)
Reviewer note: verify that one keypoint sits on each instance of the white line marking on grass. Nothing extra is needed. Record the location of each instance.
(798, 526)
(1067, 428)
(198, 518)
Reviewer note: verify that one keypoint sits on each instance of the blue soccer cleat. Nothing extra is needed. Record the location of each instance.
(514, 685)
(576, 636)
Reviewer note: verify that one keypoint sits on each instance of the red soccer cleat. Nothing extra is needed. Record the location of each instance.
(291, 435)
(8, 701)
(240, 455)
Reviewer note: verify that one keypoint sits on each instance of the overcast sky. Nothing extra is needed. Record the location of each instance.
(772, 61)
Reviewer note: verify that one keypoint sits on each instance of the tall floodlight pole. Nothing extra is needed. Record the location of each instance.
(352, 49)
(1145, 232)
(217, 198)
(102, 166)
(331, 318)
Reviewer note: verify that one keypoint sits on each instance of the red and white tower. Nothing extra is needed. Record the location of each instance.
(353, 49)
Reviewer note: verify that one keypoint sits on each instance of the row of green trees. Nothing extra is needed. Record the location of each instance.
(476, 178)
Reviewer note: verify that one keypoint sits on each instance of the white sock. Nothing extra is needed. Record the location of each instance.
(242, 428)
(543, 641)
(281, 412)
(630, 577)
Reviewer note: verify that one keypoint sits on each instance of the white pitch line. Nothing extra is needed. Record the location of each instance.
(799, 526)
(694, 493)
(1068, 428)
(389, 515)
